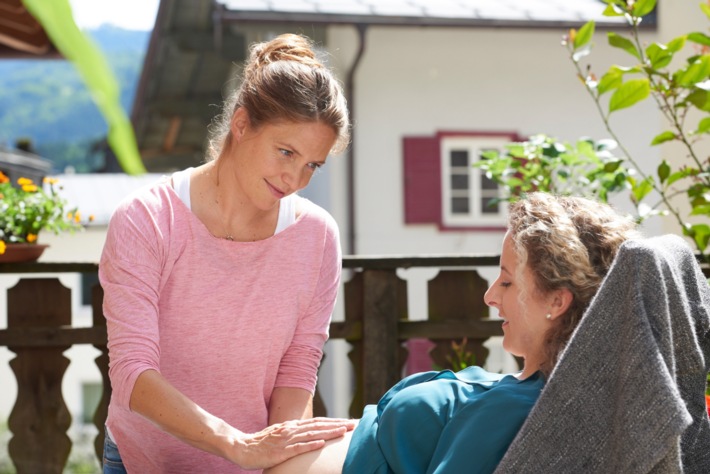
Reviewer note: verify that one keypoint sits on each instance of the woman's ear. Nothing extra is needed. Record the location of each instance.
(560, 302)
(239, 124)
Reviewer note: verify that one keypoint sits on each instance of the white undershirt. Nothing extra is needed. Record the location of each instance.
(287, 205)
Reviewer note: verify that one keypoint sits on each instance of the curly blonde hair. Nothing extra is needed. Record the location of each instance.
(284, 80)
(567, 242)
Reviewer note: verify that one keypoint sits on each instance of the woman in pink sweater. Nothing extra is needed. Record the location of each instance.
(220, 281)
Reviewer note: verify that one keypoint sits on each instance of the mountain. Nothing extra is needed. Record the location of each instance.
(46, 101)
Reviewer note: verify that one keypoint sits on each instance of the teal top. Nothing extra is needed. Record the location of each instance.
(442, 422)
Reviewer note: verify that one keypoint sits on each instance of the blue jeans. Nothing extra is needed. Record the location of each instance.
(112, 463)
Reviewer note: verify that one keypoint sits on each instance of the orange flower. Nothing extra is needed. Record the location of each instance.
(707, 402)
(77, 217)
(3, 178)
(3, 247)
(31, 238)
(91, 218)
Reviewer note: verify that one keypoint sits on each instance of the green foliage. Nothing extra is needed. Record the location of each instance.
(27, 209)
(460, 357)
(681, 93)
(543, 163)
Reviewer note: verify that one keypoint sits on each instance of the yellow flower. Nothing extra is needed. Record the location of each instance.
(24, 181)
(31, 238)
(49, 180)
(70, 215)
(2, 247)
(91, 218)
(29, 188)
(77, 217)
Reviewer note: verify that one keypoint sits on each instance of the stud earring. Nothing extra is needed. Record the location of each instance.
(548, 316)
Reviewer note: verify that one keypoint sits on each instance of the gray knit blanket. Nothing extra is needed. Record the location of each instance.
(627, 395)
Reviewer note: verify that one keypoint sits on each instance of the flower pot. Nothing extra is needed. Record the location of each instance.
(22, 253)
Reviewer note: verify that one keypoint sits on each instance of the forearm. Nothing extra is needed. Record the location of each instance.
(290, 404)
(156, 399)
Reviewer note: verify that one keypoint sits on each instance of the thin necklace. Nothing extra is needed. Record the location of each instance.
(228, 235)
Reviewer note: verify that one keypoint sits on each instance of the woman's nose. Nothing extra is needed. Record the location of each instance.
(489, 297)
(294, 177)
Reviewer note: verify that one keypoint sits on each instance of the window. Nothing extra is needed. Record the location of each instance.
(469, 197)
(442, 186)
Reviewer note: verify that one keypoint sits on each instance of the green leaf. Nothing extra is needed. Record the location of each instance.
(613, 10)
(584, 35)
(612, 166)
(701, 210)
(610, 80)
(700, 38)
(643, 7)
(678, 175)
(622, 43)
(698, 71)
(704, 125)
(700, 234)
(57, 21)
(663, 137)
(676, 44)
(640, 190)
(629, 93)
(659, 55)
(700, 99)
(706, 9)
(664, 170)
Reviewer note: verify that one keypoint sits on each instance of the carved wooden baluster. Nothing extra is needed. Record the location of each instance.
(457, 295)
(353, 314)
(99, 321)
(382, 352)
(40, 418)
(376, 299)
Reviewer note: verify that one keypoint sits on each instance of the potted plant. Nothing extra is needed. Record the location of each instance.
(26, 209)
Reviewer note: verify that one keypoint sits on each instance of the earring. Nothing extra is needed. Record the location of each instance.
(548, 316)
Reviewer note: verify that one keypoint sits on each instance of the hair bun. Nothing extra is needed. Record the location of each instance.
(287, 47)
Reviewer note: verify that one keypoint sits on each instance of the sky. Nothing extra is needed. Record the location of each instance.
(128, 14)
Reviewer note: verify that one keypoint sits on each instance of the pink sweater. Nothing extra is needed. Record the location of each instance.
(225, 322)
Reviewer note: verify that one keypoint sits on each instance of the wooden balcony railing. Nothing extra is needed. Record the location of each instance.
(376, 323)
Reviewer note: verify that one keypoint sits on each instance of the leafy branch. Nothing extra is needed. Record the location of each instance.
(680, 93)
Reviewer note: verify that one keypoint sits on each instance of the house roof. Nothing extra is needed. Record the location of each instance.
(520, 13)
(196, 43)
(21, 36)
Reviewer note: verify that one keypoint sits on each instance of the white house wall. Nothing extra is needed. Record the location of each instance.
(417, 81)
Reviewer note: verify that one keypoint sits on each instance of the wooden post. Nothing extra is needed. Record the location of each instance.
(381, 348)
(40, 418)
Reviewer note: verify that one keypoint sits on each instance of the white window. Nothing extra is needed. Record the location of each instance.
(468, 196)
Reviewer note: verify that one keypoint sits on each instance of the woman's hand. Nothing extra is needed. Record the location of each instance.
(277, 443)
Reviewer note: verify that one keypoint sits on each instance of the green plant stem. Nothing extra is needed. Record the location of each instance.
(668, 110)
(607, 125)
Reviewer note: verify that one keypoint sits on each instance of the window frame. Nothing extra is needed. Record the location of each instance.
(473, 144)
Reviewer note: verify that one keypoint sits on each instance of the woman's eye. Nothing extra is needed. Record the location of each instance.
(314, 166)
(505, 284)
(286, 153)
